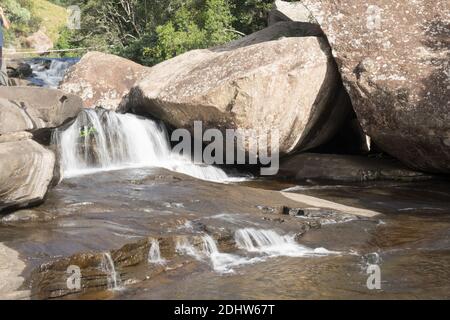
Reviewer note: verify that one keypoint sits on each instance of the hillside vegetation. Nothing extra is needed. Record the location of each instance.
(146, 31)
(28, 16)
(52, 17)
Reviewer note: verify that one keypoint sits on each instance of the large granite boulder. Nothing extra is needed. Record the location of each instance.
(26, 170)
(281, 78)
(289, 11)
(13, 118)
(393, 57)
(31, 109)
(101, 79)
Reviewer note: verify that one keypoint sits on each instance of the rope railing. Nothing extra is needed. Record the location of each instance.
(7, 51)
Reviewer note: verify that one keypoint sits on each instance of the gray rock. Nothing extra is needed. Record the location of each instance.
(31, 109)
(335, 167)
(289, 11)
(394, 62)
(102, 80)
(13, 117)
(19, 69)
(26, 170)
(281, 78)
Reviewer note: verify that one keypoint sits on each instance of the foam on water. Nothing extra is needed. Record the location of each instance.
(263, 244)
(269, 242)
(220, 262)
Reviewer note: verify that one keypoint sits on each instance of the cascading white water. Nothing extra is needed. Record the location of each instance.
(52, 76)
(271, 243)
(104, 140)
(114, 281)
(221, 262)
(183, 246)
(154, 254)
(263, 244)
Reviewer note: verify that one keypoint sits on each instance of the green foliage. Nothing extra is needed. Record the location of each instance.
(193, 27)
(250, 15)
(150, 31)
(65, 41)
(19, 12)
(87, 131)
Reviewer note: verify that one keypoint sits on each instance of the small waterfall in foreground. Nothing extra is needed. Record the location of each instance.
(262, 244)
(154, 254)
(220, 262)
(101, 140)
(114, 281)
(271, 243)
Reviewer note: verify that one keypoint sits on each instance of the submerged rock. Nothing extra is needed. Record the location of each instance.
(349, 168)
(26, 171)
(394, 62)
(101, 79)
(281, 78)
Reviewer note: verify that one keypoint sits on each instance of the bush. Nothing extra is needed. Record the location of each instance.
(150, 31)
(22, 20)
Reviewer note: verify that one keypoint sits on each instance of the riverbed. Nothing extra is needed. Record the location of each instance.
(328, 259)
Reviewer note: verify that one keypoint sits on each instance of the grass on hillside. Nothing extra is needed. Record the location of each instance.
(53, 17)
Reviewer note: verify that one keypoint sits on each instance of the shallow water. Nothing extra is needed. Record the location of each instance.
(49, 72)
(106, 210)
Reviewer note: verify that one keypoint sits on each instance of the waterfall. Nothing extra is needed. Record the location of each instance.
(101, 140)
(263, 244)
(114, 281)
(50, 75)
(154, 254)
(220, 262)
(184, 246)
(271, 243)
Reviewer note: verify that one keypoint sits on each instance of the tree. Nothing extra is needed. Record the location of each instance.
(22, 21)
(150, 31)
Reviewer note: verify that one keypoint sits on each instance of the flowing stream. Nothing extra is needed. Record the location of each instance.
(50, 72)
(128, 208)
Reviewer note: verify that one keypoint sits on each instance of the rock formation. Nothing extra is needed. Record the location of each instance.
(101, 80)
(393, 57)
(280, 78)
